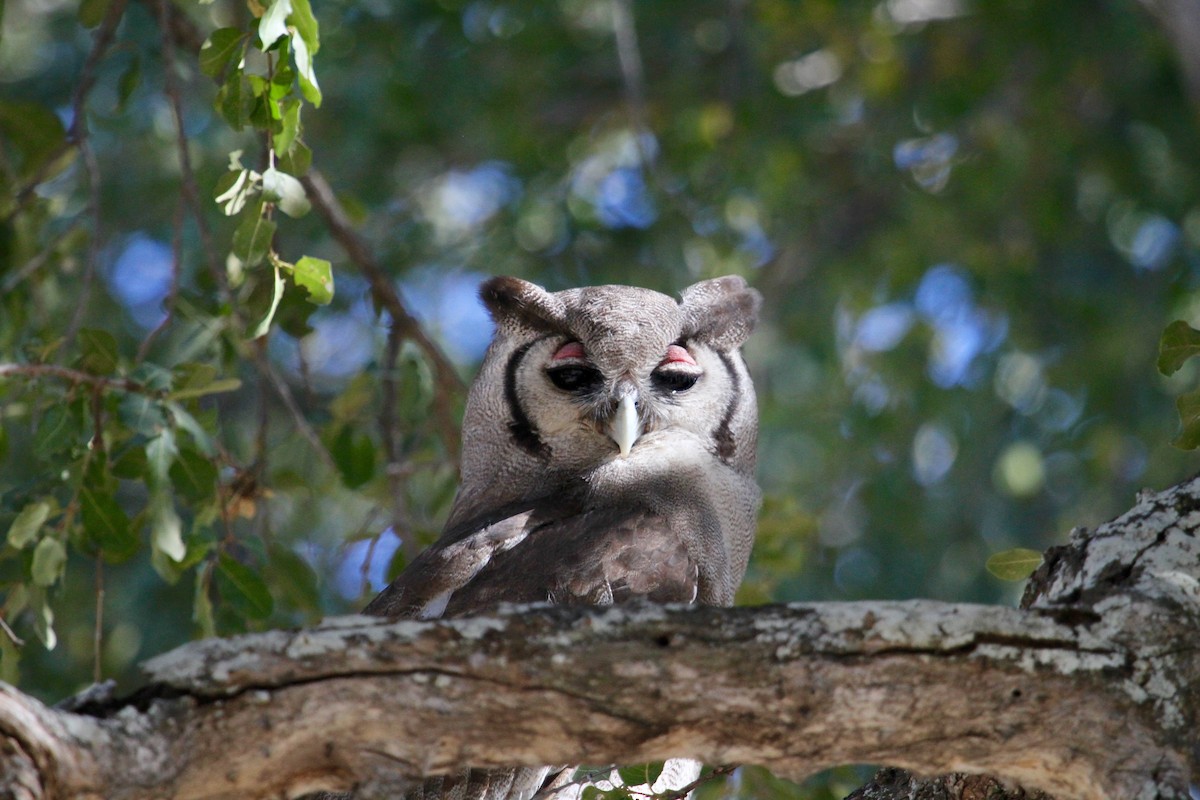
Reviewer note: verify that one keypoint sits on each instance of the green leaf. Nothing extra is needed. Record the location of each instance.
(106, 524)
(233, 190)
(1179, 342)
(130, 464)
(35, 134)
(91, 12)
(292, 578)
(273, 23)
(185, 421)
(25, 527)
(10, 656)
(276, 296)
(297, 160)
(194, 379)
(285, 191)
(142, 414)
(290, 129)
(59, 429)
(202, 609)
(160, 454)
(216, 387)
(1014, 565)
(242, 588)
(128, 82)
(354, 455)
(639, 774)
(235, 100)
(306, 24)
(152, 376)
(166, 529)
(305, 71)
(43, 622)
(1188, 406)
(49, 560)
(221, 48)
(193, 476)
(252, 239)
(97, 351)
(316, 276)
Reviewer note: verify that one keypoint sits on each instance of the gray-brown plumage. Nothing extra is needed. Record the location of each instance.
(608, 454)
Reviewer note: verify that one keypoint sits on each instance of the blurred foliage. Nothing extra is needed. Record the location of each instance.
(970, 221)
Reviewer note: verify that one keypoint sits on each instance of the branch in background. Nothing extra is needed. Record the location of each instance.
(633, 77)
(170, 24)
(37, 262)
(11, 634)
(449, 385)
(263, 363)
(76, 377)
(173, 292)
(1179, 21)
(629, 56)
(396, 469)
(96, 448)
(79, 136)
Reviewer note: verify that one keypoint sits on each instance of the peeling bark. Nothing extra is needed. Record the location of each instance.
(1087, 691)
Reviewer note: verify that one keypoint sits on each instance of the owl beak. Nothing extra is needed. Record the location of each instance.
(625, 428)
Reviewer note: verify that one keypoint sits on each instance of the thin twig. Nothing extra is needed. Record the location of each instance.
(629, 56)
(684, 791)
(98, 630)
(11, 634)
(395, 468)
(289, 402)
(97, 450)
(633, 76)
(79, 136)
(172, 293)
(34, 264)
(76, 377)
(449, 385)
(170, 26)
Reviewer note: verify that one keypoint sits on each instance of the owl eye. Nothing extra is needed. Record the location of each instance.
(574, 378)
(671, 380)
(678, 371)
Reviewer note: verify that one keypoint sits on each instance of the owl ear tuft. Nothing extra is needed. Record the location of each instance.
(517, 303)
(721, 312)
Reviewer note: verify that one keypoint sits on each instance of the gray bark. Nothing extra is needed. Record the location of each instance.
(1088, 691)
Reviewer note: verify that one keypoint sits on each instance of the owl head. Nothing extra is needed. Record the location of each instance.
(611, 381)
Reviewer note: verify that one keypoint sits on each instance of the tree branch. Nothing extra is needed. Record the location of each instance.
(1090, 692)
(74, 376)
(449, 384)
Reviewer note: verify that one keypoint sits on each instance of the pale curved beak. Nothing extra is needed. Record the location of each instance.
(625, 428)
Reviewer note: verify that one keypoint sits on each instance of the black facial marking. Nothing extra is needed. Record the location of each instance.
(723, 436)
(524, 433)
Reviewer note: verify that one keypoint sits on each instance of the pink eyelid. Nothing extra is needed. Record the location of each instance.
(678, 355)
(573, 350)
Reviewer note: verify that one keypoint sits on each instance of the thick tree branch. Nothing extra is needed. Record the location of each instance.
(1089, 692)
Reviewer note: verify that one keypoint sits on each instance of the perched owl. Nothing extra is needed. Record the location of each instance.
(608, 454)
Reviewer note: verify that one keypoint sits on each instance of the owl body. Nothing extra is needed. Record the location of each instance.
(608, 454)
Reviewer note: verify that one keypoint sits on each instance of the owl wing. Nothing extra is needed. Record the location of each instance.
(547, 551)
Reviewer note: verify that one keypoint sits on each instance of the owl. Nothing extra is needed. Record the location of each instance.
(609, 446)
